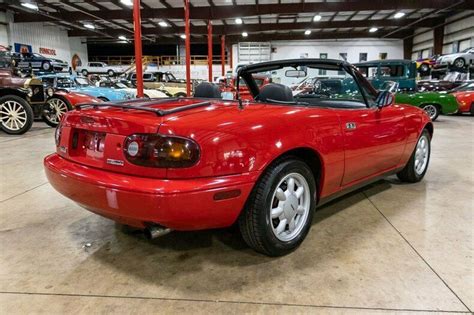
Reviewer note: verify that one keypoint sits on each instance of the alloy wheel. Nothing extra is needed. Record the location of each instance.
(421, 155)
(431, 110)
(290, 207)
(13, 115)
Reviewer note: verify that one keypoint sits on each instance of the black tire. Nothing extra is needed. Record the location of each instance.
(50, 118)
(255, 222)
(433, 110)
(408, 174)
(110, 73)
(459, 63)
(27, 115)
(424, 68)
(180, 94)
(84, 72)
(46, 66)
(472, 109)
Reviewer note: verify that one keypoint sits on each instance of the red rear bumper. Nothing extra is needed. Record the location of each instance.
(178, 204)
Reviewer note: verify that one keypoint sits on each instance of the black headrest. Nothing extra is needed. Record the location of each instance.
(207, 90)
(276, 92)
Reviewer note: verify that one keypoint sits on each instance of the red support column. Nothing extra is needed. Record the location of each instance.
(223, 54)
(209, 48)
(137, 25)
(188, 47)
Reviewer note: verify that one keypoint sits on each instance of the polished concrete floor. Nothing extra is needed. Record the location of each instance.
(388, 248)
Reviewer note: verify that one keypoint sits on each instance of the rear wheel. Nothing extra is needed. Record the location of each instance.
(16, 115)
(54, 109)
(417, 166)
(432, 110)
(279, 211)
(84, 72)
(46, 66)
(459, 63)
(110, 73)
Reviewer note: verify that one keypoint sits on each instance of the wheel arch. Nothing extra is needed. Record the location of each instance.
(429, 127)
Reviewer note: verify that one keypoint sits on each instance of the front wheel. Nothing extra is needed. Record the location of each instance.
(46, 66)
(16, 115)
(416, 168)
(432, 111)
(459, 63)
(54, 110)
(279, 211)
(424, 68)
(85, 72)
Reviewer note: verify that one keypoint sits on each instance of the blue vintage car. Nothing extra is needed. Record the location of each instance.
(83, 85)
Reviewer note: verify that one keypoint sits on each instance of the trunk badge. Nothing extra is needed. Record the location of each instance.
(115, 162)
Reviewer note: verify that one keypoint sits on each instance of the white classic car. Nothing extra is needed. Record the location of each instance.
(150, 93)
(101, 68)
(458, 60)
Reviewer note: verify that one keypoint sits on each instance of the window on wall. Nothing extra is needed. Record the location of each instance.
(322, 56)
(383, 56)
(362, 57)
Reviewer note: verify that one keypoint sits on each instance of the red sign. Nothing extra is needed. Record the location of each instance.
(47, 51)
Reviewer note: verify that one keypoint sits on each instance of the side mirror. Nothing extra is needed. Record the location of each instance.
(384, 98)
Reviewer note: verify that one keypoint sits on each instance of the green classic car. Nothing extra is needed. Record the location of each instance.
(434, 103)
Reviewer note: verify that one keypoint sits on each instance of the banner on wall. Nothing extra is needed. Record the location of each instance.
(23, 48)
(47, 51)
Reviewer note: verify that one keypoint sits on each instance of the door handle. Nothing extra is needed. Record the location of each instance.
(351, 125)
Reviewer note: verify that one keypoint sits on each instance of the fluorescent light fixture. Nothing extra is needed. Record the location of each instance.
(29, 5)
(373, 29)
(89, 26)
(399, 15)
(127, 2)
(121, 37)
(183, 36)
(317, 18)
(163, 24)
(307, 32)
(238, 21)
(244, 34)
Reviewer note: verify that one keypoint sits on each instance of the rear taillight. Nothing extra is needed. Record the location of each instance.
(154, 150)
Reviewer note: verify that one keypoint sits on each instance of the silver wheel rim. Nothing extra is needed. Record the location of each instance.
(421, 155)
(459, 63)
(290, 206)
(57, 108)
(13, 115)
(431, 110)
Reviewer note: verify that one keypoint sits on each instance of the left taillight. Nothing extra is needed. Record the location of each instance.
(57, 135)
(154, 150)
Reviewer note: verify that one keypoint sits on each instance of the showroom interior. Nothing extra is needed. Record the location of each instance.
(236, 156)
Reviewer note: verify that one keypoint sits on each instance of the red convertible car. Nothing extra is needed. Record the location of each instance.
(202, 163)
(63, 101)
(465, 98)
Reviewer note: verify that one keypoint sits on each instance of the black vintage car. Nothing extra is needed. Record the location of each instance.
(39, 62)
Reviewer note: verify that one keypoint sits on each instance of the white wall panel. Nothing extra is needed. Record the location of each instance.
(3, 29)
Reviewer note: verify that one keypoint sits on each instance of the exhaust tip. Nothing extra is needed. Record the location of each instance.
(155, 231)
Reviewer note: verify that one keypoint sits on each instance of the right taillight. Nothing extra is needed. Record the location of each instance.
(154, 150)
(57, 135)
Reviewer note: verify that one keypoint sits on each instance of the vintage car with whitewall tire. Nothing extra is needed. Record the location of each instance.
(21, 100)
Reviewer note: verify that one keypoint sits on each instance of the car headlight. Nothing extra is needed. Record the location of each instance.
(29, 92)
(50, 92)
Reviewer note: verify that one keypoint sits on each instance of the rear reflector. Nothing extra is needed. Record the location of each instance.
(227, 194)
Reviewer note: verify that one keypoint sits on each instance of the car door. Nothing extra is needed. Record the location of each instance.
(374, 140)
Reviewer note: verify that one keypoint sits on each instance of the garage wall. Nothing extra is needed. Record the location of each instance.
(3, 29)
(458, 35)
(313, 49)
(52, 37)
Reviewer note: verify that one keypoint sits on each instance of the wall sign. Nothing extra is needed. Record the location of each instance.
(47, 51)
(22, 48)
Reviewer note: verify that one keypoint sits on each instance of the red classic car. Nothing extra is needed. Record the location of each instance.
(202, 163)
(63, 101)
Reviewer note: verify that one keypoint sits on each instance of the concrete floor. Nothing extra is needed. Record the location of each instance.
(390, 247)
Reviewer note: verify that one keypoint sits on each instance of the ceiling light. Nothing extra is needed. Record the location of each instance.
(373, 29)
(31, 6)
(122, 37)
(244, 34)
(183, 36)
(163, 24)
(89, 26)
(307, 32)
(317, 18)
(127, 2)
(238, 21)
(399, 15)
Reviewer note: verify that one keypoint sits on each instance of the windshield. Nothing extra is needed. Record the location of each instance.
(464, 87)
(319, 85)
(64, 83)
(83, 82)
